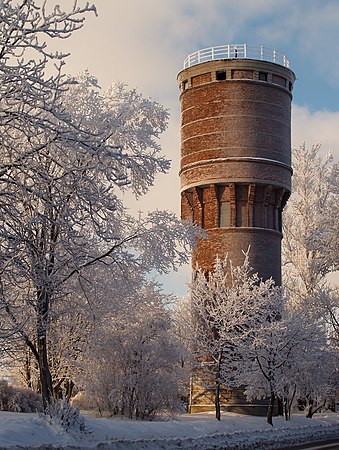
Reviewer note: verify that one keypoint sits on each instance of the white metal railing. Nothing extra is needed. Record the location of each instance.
(230, 51)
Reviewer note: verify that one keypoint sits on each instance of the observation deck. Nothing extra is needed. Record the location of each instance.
(235, 51)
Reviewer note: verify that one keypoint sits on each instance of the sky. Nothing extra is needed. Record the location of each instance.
(143, 43)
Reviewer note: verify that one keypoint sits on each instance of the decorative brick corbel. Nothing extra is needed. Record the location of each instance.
(250, 204)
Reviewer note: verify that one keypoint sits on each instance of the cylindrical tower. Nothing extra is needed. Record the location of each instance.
(236, 152)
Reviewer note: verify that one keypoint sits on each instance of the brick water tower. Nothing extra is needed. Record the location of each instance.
(236, 153)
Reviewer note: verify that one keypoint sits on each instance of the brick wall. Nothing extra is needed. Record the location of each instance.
(236, 135)
(265, 249)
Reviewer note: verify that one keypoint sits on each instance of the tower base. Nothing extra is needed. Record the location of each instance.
(231, 400)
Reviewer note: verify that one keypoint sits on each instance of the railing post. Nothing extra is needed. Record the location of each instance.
(261, 52)
(198, 56)
(274, 55)
(212, 52)
(228, 51)
(245, 51)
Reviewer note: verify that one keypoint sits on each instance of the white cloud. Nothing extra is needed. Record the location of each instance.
(317, 127)
(145, 42)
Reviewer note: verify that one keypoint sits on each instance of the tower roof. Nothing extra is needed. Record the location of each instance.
(234, 51)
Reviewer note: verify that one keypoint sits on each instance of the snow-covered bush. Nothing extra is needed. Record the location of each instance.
(62, 413)
(18, 399)
(134, 367)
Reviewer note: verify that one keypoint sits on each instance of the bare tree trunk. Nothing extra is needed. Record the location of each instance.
(44, 370)
(45, 374)
(217, 388)
(291, 402)
(311, 411)
(286, 408)
(270, 409)
(217, 401)
(280, 403)
(69, 389)
(57, 390)
(27, 369)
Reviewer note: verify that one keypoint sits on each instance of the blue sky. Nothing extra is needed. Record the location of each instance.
(144, 43)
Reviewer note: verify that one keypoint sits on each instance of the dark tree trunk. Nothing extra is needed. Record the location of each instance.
(57, 390)
(45, 374)
(280, 403)
(311, 411)
(217, 401)
(44, 370)
(217, 387)
(69, 389)
(290, 402)
(286, 408)
(270, 409)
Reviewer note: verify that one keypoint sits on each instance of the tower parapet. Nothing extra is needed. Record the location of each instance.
(229, 51)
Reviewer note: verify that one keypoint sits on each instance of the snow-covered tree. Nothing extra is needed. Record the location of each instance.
(224, 303)
(271, 348)
(311, 244)
(183, 328)
(31, 118)
(66, 150)
(245, 334)
(315, 375)
(133, 366)
(311, 241)
(211, 350)
(310, 252)
(29, 98)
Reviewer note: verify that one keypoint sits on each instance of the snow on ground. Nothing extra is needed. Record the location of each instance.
(186, 432)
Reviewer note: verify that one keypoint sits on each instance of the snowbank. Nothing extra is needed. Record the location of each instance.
(198, 431)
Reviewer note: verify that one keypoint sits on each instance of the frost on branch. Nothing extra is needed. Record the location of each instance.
(129, 126)
(224, 303)
(30, 100)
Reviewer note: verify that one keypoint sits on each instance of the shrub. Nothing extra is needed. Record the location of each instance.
(61, 413)
(17, 399)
